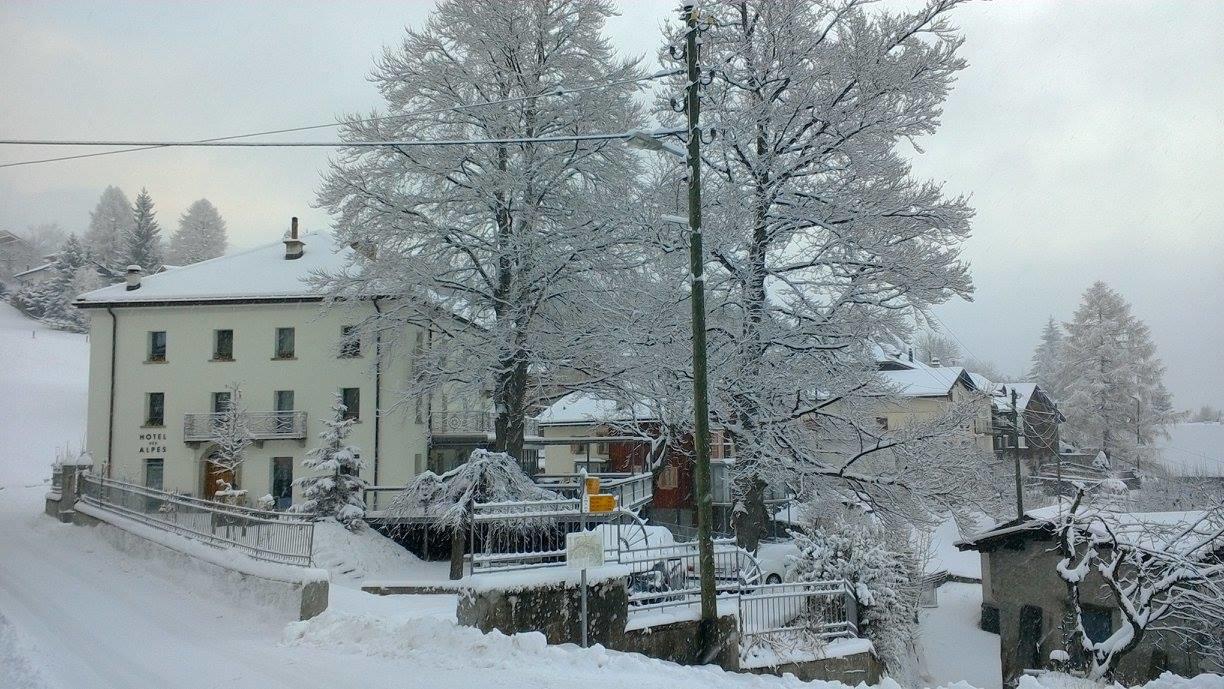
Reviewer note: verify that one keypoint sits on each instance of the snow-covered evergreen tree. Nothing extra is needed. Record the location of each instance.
(110, 223)
(143, 243)
(51, 300)
(505, 235)
(200, 235)
(231, 432)
(336, 488)
(1047, 363)
(882, 571)
(447, 500)
(1114, 380)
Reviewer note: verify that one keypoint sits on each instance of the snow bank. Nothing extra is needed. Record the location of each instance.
(543, 576)
(1057, 680)
(354, 558)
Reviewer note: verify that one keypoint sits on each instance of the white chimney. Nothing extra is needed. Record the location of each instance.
(294, 247)
(935, 361)
(133, 277)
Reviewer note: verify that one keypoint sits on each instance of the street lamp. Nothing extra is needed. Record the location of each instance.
(701, 410)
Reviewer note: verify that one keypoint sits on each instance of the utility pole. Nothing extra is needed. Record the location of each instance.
(701, 410)
(1138, 440)
(1016, 456)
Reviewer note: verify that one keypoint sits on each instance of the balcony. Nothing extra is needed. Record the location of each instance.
(264, 425)
(472, 424)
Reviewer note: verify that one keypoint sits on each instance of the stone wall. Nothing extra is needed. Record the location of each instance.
(679, 642)
(550, 603)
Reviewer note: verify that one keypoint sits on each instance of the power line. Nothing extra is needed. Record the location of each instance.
(552, 92)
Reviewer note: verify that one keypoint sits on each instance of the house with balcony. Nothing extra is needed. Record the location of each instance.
(924, 392)
(167, 350)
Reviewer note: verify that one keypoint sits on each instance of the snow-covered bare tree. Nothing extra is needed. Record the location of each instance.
(142, 245)
(934, 348)
(110, 223)
(820, 241)
(1047, 363)
(231, 432)
(1114, 383)
(1163, 576)
(200, 235)
(505, 235)
(447, 501)
(336, 488)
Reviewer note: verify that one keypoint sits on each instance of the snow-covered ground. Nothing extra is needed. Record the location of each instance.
(956, 650)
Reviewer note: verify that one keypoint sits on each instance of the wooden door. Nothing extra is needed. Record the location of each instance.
(215, 478)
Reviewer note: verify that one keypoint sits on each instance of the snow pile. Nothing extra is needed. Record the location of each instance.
(355, 557)
(1056, 680)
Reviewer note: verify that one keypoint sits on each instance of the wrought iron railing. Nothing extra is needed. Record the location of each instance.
(472, 423)
(264, 425)
(283, 537)
(775, 618)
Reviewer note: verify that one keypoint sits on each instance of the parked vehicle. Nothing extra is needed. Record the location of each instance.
(777, 560)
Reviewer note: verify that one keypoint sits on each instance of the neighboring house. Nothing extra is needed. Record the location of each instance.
(1024, 600)
(924, 392)
(36, 275)
(164, 347)
(15, 255)
(1037, 440)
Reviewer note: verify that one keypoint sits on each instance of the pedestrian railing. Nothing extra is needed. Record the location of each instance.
(519, 535)
(283, 537)
(781, 617)
(632, 490)
(666, 576)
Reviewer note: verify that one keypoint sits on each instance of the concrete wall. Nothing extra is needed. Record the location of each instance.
(1024, 575)
(188, 378)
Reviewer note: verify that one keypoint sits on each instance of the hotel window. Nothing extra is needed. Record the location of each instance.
(284, 343)
(155, 472)
(155, 409)
(223, 345)
(282, 482)
(351, 399)
(220, 402)
(350, 342)
(157, 345)
(282, 404)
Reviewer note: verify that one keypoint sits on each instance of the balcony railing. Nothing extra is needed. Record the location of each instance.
(472, 423)
(264, 425)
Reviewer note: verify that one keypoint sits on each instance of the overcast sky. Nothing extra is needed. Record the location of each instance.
(1090, 136)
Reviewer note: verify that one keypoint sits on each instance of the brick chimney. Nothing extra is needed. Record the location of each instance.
(132, 276)
(294, 247)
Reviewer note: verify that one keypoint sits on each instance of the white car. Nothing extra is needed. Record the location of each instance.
(777, 560)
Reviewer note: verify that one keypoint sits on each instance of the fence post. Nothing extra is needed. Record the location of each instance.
(851, 607)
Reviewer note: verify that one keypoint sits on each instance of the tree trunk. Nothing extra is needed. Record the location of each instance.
(458, 546)
(751, 518)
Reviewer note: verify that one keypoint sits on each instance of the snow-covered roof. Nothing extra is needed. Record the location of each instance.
(1024, 393)
(1193, 449)
(929, 381)
(31, 271)
(1158, 530)
(256, 274)
(584, 408)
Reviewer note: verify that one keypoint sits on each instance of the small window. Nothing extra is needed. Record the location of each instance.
(220, 402)
(1098, 622)
(155, 473)
(350, 342)
(578, 448)
(155, 409)
(351, 399)
(223, 345)
(882, 422)
(284, 343)
(669, 478)
(157, 345)
(282, 482)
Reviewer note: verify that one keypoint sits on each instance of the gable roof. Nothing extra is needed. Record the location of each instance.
(37, 269)
(586, 408)
(258, 274)
(928, 381)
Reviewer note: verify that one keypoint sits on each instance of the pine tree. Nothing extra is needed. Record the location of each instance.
(1114, 381)
(142, 245)
(110, 223)
(337, 487)
(1047, 369)
(200, 235)
(51, 301)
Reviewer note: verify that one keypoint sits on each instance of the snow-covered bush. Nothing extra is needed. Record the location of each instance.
(337, 487)
(882, 572)
(447, 500)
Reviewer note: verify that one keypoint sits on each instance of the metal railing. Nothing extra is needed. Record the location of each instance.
(264, 425)
(670, 575)
(631, 490)
(472, 423)
(781, 617)
(507, 536)
(283, 537)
